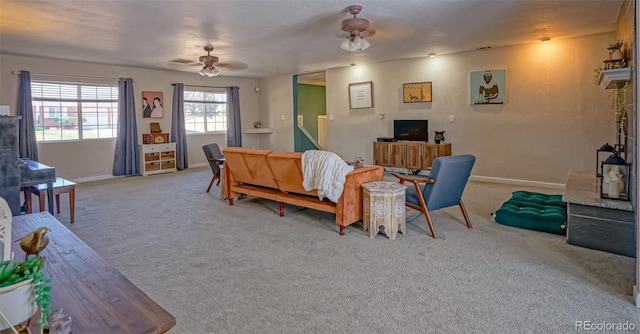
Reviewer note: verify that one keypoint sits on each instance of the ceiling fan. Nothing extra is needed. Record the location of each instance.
(210, 64)
(357, 29)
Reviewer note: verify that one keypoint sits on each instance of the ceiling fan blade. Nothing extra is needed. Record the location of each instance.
(183, 62)
(233, 65)
(368, 33)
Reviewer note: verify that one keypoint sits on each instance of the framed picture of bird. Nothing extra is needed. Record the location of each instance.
(416, 92)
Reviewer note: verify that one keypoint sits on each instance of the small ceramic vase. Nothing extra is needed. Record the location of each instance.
(617, 55)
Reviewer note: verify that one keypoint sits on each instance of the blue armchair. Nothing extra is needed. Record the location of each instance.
(443, 188)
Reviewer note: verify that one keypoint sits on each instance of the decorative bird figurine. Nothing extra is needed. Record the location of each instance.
(34, 242)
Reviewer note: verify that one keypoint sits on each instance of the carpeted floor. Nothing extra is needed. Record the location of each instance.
(243, 269)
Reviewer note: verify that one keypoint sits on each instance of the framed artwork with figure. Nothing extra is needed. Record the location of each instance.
(152, 105)
(488, 87)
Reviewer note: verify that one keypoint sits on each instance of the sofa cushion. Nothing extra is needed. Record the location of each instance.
(287, 170)
(250, 166)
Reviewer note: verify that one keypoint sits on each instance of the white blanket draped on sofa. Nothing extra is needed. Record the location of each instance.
(324, 171)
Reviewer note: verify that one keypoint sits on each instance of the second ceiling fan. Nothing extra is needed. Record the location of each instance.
(357, 29)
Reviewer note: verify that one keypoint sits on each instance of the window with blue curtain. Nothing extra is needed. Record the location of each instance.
(74, 111)
(205, 110)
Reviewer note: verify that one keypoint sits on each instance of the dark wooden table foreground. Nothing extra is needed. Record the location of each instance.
(98, 297)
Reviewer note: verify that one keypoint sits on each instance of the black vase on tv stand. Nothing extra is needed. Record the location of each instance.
(439, 137)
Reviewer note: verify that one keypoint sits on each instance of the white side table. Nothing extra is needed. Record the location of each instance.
(383, 204)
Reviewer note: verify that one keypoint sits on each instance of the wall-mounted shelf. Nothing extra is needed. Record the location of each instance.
(259, 130)
(615, 78)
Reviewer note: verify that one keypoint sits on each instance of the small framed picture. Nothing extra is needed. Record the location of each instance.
(416, 92)
(360, 95)
(152, 105)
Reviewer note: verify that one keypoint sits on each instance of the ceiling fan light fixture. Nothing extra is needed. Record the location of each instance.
(208, 70)
(213, 72)
(346, 44)
(357, 42)
(364, 44)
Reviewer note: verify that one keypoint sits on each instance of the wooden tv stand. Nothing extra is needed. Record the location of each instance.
(408, 154)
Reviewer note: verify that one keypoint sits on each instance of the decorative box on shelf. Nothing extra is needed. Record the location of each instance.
(155, 138)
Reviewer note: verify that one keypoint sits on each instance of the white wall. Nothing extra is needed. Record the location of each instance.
(554, 119)
(276, 100)
(94, 159)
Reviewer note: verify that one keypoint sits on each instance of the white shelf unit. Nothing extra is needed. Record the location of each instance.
(157, 158)
(259, 130)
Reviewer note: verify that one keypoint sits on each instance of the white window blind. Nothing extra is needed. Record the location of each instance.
(74, 111)
(205, 110)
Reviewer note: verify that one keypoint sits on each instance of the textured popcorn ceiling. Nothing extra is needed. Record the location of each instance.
(264, 38)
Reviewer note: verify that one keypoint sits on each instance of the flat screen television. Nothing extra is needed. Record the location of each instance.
(411, 129)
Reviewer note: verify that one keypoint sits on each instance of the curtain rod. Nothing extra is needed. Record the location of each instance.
(173, 84)
(64, 76)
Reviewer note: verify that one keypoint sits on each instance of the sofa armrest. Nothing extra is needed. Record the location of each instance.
(349, 206)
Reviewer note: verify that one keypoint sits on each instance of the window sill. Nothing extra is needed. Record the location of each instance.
(207, 133)
(259, 130)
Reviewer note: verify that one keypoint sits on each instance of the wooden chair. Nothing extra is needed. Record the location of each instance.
(216, 161)
(443, 188)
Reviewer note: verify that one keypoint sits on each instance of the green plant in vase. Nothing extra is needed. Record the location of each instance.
(31, 269)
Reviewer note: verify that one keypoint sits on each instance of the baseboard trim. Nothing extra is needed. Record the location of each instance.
(204, 164)
(108, 177)
(517, 182)
(490, 179)
(96, 178)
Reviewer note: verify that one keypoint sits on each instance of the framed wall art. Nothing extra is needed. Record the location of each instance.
(152, 105)
(360, 95)
(416, 92)
(488, 87)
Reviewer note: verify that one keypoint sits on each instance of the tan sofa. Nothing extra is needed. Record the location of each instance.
(278, 176)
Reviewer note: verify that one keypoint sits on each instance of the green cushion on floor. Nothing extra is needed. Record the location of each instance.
(534, 211)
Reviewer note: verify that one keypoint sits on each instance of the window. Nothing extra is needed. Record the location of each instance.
(205, 111)
(74, 111)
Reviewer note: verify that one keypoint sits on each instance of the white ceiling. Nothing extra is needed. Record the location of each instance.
(275, 37)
